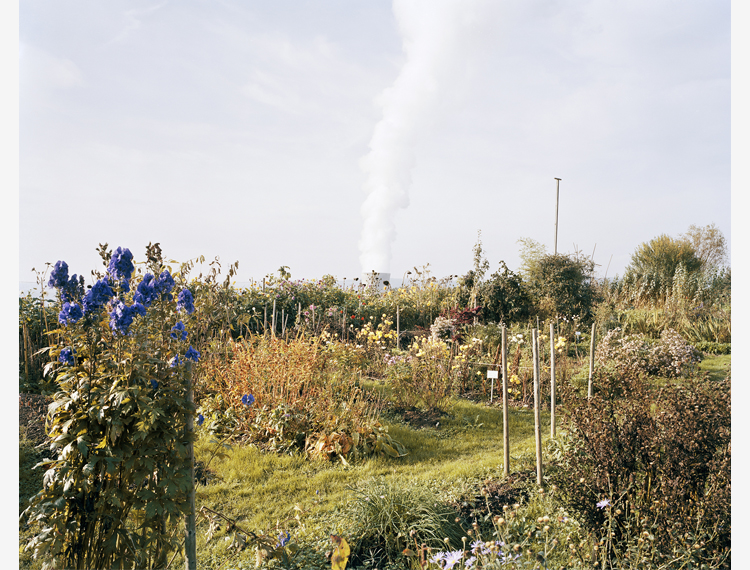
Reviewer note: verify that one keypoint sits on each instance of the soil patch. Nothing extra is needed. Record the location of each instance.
(416, 418)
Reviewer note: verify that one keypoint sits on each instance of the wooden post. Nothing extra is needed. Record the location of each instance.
(398, 327)
(537, 411)
(26, 351)
(190, 543)
(283, 323)
(265, 318)
(552, 379)
(273, 319)
(591, 360)
(506, 430)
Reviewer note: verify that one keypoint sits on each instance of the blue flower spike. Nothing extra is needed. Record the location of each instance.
(200, 419)
(248, 400)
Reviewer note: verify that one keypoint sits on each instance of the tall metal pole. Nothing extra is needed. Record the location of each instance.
(557, 209)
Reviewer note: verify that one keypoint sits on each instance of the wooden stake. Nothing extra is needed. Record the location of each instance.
(273, 319)
(398, 327)
(552, 379)
(506, 430)
(190, 543)
(591, 360)
(537, 411)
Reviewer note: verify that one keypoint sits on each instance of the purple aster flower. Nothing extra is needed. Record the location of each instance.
(438, 558)
(200, 419)
(59, 276)
(283, 540)
(602, 504)
(192, 354)
(121, 264)
(185, 301)
(470, 561)
(248, 399)
(179, 332)
(66, 356)
(97, 296)
(71, 313)
(451, 558)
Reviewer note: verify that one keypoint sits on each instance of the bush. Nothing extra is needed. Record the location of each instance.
(119, 423)
(662, 460)
(669, 357)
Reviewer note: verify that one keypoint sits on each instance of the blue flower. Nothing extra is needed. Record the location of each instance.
(145, 293)
(185, 301)
(154, 384)
(179, 332)
(66, 356)
(121, 265)
(283, 540)
(192, 354)
(602, 504)
(121, 317)
(59, 276)
(164, 284)
(248, 399)
(97, 296)
(200, 419)
(71, 313)
(71, 291)
(175, 361)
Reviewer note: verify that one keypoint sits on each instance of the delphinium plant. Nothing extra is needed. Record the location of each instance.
(118, 423)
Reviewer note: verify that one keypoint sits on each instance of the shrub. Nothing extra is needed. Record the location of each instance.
(669, 357)
(662, 459)
(119, 422)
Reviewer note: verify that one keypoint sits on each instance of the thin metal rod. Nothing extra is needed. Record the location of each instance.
(557, 209)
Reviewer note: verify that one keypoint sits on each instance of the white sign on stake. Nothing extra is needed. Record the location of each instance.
(492, 374)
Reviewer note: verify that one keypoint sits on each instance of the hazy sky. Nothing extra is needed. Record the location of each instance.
(306, 134)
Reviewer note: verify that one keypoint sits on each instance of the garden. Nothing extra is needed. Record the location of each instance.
(544, 418)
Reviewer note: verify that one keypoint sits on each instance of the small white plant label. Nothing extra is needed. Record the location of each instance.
(492, 374)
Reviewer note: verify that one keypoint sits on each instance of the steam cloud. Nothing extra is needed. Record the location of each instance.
(436, 35)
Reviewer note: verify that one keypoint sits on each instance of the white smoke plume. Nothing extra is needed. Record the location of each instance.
(436, 37)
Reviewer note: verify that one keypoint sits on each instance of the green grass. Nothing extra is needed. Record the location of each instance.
(717, 365)
(260, 490)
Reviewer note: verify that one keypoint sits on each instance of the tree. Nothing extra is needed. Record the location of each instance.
(653, 265)
(562, 286)
(505, 298)
(709, 245)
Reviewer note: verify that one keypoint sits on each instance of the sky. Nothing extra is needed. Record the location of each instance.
(342, 136)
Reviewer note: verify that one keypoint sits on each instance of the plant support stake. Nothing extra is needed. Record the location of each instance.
(591, 361)
(190, 543)
(552, 379)
(537, 411)
(506, 431)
